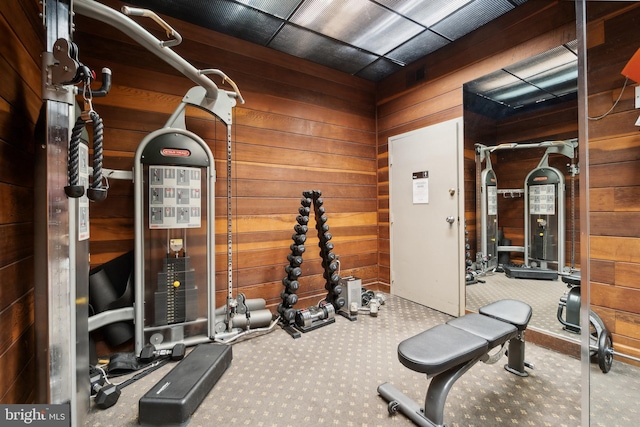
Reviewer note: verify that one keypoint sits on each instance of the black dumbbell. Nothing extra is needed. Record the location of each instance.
(304, 210)
(289, 299)
(149, 353)
(106, 395)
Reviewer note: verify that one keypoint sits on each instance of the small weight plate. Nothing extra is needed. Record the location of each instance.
(156, 339)
(605, 351)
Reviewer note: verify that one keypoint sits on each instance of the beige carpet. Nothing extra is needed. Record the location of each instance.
(329, 377)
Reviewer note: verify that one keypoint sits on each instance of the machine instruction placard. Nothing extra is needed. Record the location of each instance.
(83, 202)
(542, 199)
(492, 200)
(175, 197)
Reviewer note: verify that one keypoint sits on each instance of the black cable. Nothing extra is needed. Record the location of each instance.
(154, 366)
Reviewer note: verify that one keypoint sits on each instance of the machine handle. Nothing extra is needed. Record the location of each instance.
(134, 11)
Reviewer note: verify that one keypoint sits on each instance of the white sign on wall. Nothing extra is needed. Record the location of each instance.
(420, 187)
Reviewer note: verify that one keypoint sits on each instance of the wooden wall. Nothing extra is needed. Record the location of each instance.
(19, 107)
(614, 164)
(306, 127)
(303, 127)
(528, 30)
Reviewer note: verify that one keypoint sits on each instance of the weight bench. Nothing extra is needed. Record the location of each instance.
(445, 352)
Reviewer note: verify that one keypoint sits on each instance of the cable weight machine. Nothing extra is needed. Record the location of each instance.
(544, 213)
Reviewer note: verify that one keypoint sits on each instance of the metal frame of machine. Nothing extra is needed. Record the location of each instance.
(64, 270)
(483, 153)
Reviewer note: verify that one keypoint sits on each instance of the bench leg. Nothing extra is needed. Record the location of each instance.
(404, 404)
(439, 390)
(516, 362)
(433, 413)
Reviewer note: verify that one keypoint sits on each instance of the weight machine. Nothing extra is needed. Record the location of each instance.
(174, 198)
(489, 216)
(544, 216)
(62, 246)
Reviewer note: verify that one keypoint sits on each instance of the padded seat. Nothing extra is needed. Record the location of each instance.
(511, 311)
(440, 348)
(493, 330)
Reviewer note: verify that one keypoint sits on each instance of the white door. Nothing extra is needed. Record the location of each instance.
(426, 209)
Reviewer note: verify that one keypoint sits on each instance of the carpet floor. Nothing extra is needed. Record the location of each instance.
(613, 394)
(329, 377)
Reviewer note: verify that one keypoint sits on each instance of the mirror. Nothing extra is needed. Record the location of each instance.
(520, 119)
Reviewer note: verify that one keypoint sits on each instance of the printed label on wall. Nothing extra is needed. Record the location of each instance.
(420, 187)
(175, 195)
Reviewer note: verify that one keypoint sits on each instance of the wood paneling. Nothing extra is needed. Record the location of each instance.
(614, 158)
(309, 127)
(19, 107)
(303, 127)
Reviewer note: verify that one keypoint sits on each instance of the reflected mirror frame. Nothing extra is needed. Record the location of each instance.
(583, 147)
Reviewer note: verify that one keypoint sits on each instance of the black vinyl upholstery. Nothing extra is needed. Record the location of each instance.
(488, 328)
(440, 348)
(512, 311)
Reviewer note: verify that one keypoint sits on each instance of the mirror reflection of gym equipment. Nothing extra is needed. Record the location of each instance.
(544, 213)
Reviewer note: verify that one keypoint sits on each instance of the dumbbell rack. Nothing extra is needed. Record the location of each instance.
(331, 275)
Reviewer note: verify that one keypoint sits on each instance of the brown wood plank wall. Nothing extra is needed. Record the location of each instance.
(528, 30)
(303, 127)
(19, 107)
(614, 181)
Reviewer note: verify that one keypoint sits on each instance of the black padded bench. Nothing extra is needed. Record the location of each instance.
(445, 352)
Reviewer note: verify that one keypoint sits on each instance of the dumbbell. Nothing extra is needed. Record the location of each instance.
(106, 395)
(149, 353)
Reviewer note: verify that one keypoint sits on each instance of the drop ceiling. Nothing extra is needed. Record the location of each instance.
(373, 39)
(367, 38)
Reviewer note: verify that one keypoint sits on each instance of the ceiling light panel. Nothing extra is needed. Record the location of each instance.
(306, 44)
(542, 63)
(470, 17)
(419, 46)
(573, 46)
(360, 23)
(559, 80)
(379, 70)
(280, 8)
(492, 82)
(518, 94)
(425, 12)
(224, 16)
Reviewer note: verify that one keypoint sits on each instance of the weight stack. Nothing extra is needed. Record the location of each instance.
(176, 295)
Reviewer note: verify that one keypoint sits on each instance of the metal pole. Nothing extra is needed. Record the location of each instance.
(61, 314)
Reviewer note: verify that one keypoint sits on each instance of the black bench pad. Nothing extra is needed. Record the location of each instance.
(440, 348)
(511, 311)
(492, 330)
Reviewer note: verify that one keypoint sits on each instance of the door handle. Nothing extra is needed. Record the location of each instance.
(450, 219)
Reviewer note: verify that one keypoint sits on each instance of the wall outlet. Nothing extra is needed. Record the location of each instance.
(637, 97)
